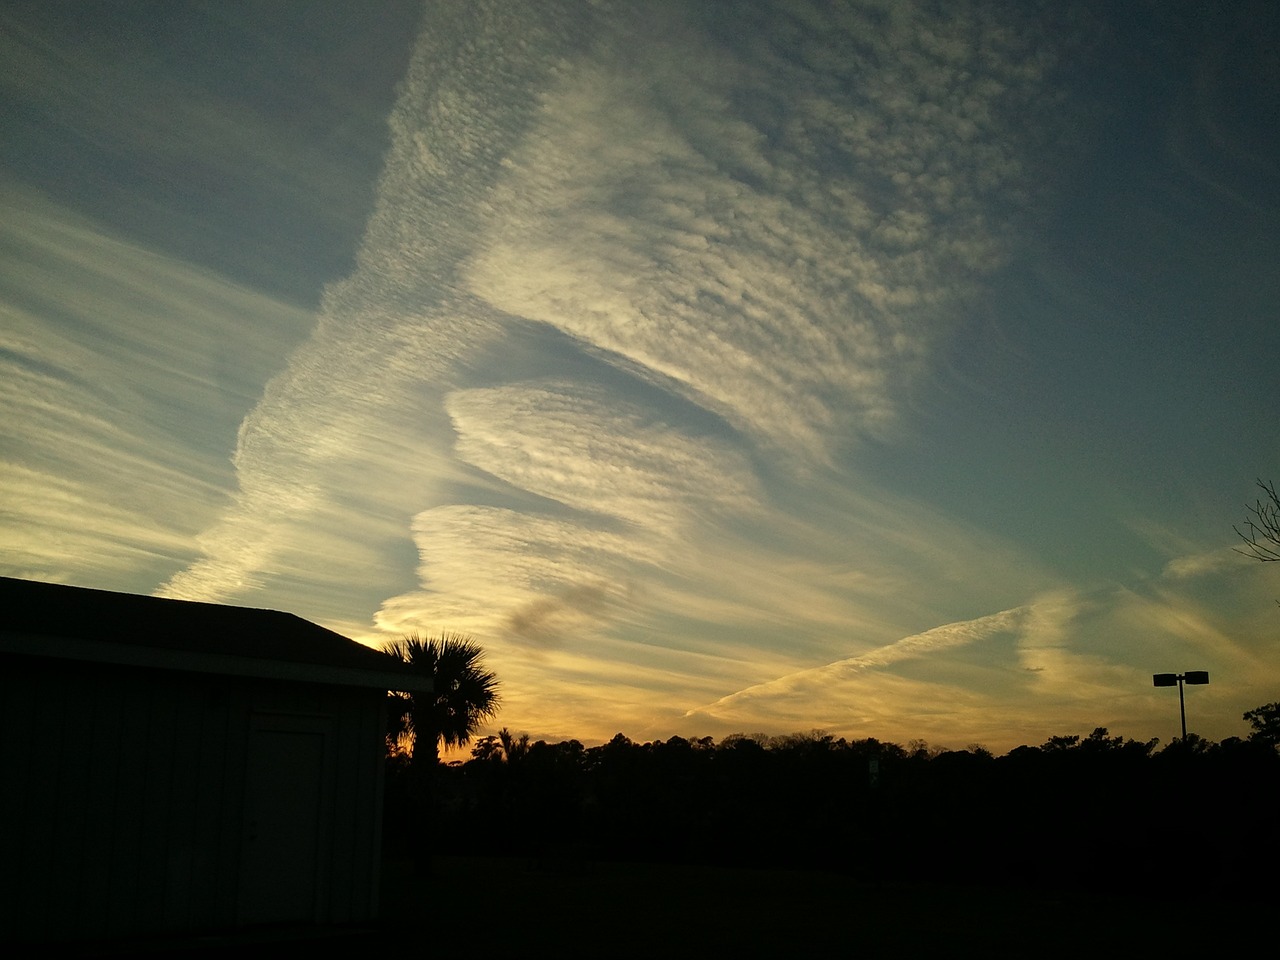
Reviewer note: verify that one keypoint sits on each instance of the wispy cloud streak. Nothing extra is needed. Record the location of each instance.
(918, 645)
(122, 394)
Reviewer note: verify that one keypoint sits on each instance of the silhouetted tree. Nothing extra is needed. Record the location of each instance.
(464, 693)
(1061, 743)
(397, 734)
(487, 750)
(1101, 743)
(1261, 533)
(514, 749)
(1265, 721)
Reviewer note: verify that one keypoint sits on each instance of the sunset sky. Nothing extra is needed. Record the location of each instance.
(896, 369)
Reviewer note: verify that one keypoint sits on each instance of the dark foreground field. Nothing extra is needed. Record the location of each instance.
(488, 907)
(514, 908)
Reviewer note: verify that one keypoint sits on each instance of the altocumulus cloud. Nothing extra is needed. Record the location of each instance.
(787, 266)
(572, 444)
(638, 279)
(630, 177)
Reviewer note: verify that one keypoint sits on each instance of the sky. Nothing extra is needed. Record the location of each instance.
(889, 368)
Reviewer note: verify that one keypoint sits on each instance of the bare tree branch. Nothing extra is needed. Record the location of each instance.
(1261, 533)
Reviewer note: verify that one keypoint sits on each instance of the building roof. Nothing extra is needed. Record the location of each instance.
(77, 623)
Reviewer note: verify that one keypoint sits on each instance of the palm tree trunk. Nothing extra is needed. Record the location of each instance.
(423, 761)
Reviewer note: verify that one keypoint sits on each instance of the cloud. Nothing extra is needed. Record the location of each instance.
(61, 529)
(645, 291)
(1190, 566)
(785, 272)
(546, 620)
(122, 395)
(505, 574)
(789, 272)
(958, 679)
(1064, 662)
(636, 290)
(574, 444)
(814, 684)
(361, 398)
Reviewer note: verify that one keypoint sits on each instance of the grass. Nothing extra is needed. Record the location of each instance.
(476, 907)
(472, 907)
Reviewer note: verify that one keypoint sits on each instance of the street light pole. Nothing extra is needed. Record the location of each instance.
(1182, 706)
(1169, 679)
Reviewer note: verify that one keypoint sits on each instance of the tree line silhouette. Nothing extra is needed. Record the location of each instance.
(1095, 812)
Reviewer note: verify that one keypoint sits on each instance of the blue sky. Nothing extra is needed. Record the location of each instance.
(894, 369)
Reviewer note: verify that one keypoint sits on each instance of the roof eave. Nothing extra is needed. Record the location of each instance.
(120, 654)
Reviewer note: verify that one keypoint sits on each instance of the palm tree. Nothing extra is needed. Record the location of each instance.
(514, 748)
(464, 695)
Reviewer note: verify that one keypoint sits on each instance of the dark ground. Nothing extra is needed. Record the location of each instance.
(488, 907)
(512, 908)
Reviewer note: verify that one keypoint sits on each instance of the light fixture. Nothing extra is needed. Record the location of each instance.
(1169, 679)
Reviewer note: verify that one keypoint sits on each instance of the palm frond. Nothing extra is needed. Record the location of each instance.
(465, 693)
